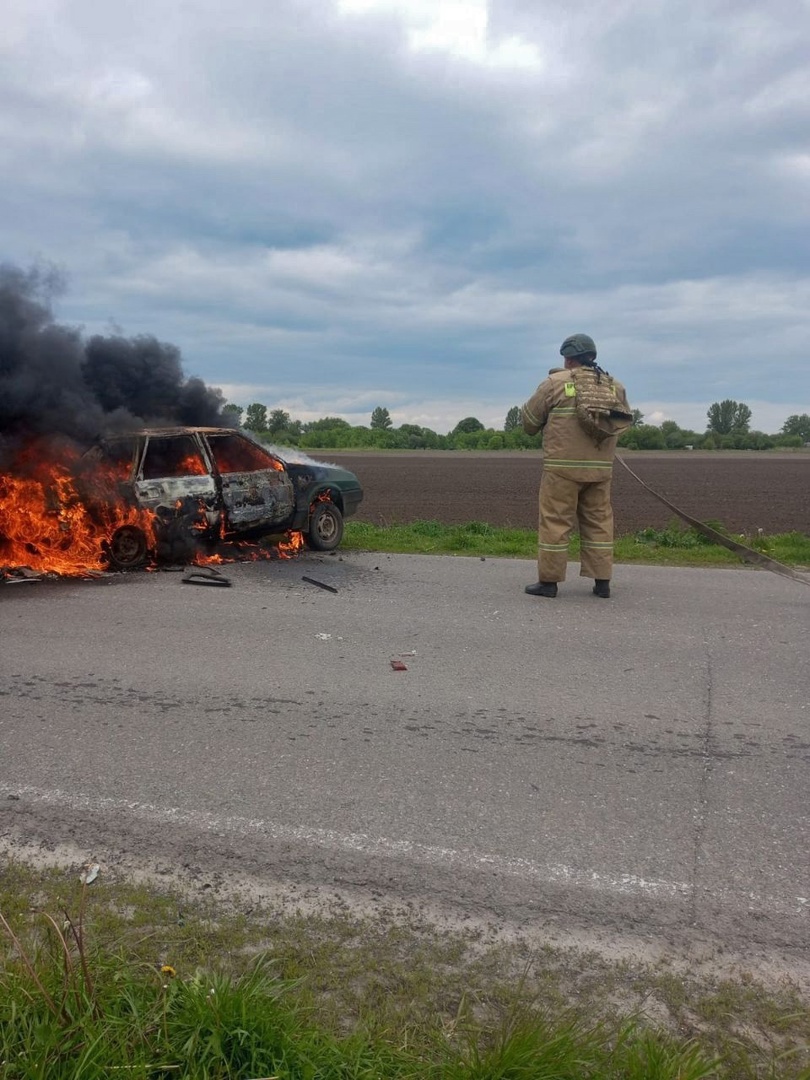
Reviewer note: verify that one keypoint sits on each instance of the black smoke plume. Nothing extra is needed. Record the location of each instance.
(53, 382)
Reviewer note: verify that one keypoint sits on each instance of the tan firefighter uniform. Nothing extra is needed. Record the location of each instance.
(575, 485)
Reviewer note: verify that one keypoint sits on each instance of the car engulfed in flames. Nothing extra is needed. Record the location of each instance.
(57, 515)
(163, 495)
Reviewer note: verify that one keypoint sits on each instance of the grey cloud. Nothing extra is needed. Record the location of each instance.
(171, 158)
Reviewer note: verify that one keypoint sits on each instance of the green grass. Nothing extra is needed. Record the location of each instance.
(672, 546)
(86, 992)
(431, 538)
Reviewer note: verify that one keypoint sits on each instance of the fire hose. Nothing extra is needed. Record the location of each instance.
(746, 553)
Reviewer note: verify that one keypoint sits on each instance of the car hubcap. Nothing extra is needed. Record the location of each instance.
(326, 527)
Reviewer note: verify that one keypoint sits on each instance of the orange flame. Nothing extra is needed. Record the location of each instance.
(215, 559)
(290, 547)
(46, 525)
(244, 551)
(191, 465)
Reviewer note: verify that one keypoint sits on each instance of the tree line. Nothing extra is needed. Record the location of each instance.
(728, 428)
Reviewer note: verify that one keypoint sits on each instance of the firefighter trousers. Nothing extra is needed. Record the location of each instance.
(565, 503)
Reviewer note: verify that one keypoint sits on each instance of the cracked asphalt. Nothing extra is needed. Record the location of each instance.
(640, 763)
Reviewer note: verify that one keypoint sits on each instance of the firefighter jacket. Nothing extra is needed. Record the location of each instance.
(567, 448)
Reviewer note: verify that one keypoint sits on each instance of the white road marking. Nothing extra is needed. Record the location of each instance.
(377, 846)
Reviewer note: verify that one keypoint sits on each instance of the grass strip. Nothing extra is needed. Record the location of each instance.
(116, 979)
(672, 546)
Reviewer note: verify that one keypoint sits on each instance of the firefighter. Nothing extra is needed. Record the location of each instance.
(577, 470)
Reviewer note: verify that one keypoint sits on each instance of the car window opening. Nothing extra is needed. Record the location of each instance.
(173, 457)
(117, 455)
(234, 454)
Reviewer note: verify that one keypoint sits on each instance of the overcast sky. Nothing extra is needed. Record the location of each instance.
(331, 205)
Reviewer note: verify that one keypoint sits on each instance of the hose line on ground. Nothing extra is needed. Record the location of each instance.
(744, 552)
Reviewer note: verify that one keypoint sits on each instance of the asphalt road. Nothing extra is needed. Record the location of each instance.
(641, 763)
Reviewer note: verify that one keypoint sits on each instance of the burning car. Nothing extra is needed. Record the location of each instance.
(203, 485)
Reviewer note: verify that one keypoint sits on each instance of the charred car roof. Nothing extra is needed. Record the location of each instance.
(136, 433)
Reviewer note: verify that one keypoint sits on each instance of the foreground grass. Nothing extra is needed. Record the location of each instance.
(117, 980)
(673, 546)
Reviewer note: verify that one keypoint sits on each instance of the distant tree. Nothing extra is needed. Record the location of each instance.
(432, 440)
(797, 425)
(467, 426)
(673, 436)
(742, 421)
(326, 423)
(643, 437)
(517, 439)
(638, 417)
(387, 439)
(512, 421)
(233, 414)
(381, 419)
(256, 417)
(411, 436)
(728, 417)
(279, 421)
(759, 440)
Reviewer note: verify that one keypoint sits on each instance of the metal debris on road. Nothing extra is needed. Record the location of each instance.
(320, 584)
(16, 575)
(205, 575)
(397, 665)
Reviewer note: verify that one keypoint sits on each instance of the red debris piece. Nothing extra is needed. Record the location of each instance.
(397, 665)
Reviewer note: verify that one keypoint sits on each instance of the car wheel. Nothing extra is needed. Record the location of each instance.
(128, 547)
(325, 527)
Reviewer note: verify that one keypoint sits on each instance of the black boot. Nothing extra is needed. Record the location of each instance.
(542, 588)
(601, 587)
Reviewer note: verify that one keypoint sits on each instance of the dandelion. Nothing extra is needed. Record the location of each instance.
(168, 971)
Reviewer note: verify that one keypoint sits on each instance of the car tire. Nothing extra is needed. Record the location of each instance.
(128, 548)
(325, 527)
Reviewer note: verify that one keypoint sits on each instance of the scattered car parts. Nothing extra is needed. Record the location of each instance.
(320, 584)
(205, 575)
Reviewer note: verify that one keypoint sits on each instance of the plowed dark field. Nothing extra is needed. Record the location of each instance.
(745, 491)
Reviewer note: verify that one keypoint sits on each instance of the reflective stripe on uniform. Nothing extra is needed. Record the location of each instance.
(560, 463)
(530, 416)
(553, 547)
(562, 410)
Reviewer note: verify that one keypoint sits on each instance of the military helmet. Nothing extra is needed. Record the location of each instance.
(577, 345)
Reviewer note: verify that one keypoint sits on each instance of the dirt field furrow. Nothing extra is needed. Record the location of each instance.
(744, 491)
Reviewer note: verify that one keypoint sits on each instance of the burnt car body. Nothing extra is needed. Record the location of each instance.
(208, 484)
